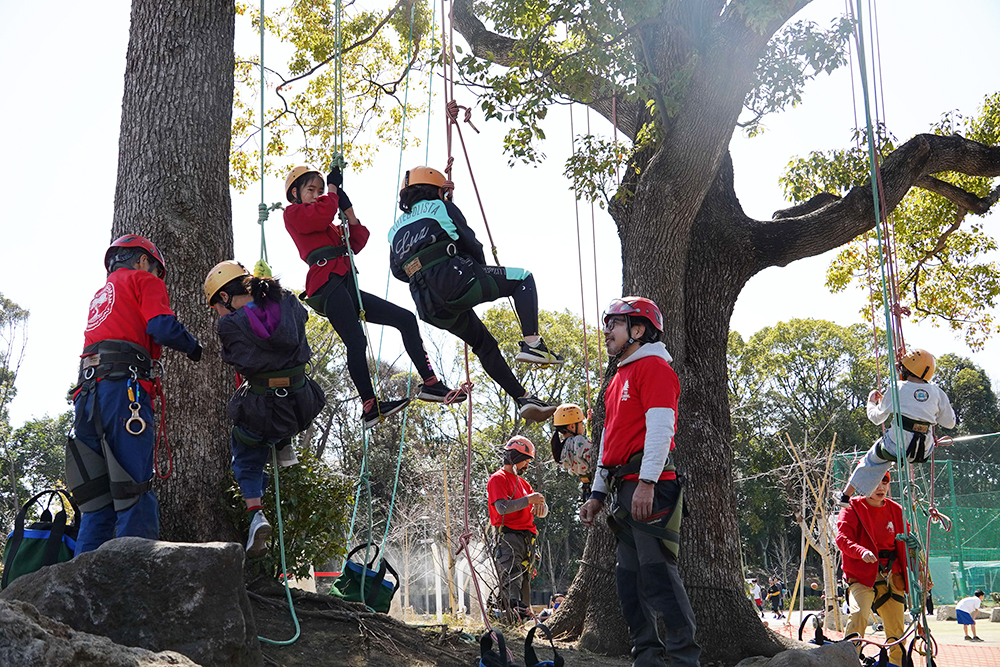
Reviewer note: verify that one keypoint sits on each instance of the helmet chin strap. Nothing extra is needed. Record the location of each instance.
(628, 324)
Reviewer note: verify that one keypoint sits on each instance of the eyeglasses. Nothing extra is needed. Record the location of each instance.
(611, 322)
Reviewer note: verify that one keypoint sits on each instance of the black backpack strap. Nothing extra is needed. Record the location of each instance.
(52, 544)
(530, 658)
(17, 536)
(486, 656)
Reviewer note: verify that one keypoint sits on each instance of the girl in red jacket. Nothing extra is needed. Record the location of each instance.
(332, 291)
(874, 562)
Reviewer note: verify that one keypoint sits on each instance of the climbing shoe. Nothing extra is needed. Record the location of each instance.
(380, 409)
(438, 393)
(534, 409)
(260, 532)
(537, 354)
(286, 456)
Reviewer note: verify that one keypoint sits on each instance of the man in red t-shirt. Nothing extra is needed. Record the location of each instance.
(513, 508)
(635, 466)
(109, 455)
(869, 537)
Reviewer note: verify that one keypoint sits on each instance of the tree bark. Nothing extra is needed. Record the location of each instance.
(173, 188)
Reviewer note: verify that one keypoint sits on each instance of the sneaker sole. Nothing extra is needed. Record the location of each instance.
(435, 398)
(372, 422)
(537, 413)
(259, 546)
(528, 358)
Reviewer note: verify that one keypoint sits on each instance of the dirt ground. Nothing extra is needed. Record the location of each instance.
(345, 634)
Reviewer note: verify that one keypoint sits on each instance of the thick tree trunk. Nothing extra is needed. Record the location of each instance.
(173, 187)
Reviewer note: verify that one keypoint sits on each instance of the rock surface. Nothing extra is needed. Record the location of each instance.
(995, 615)
(28, 639)
(840, 654)
(159, 596)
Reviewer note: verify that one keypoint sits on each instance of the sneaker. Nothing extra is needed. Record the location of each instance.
(534, 409)
(968, 638)
(844, 501)
(537, 354)
(438, 393)
(977, 639)
(260, 532)
(286, 456)
(382, 409)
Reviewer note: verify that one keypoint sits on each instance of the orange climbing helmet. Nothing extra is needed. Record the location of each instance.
(423, 175)
(520, 444)
(294, 174)
(566, 414)
(134, 241)
(919, 363)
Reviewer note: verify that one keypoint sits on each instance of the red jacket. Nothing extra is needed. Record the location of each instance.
(312, 226)
(857, 533)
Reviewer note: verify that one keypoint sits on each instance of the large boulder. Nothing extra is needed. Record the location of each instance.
(839, 654)
(995, 615)
(28, 639)
(159, 596)
(945, 612)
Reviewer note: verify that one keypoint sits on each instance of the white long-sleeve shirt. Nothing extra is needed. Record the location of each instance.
(920, 401)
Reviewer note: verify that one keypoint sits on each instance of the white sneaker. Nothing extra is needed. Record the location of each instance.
(260, 532)
(286, 456)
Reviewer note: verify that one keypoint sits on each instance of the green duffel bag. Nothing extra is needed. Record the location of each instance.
(378, 592)
(48, 541)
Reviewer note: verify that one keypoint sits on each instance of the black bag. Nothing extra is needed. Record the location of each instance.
(45, 542)
(490, 658)
(530, 659)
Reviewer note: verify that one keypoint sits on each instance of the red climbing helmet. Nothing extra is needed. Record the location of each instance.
(520, 444)
(134, 241)
(638, 306)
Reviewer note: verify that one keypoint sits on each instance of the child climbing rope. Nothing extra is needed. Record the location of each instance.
(332, 291)
(513, 508)
(110, 452)
(571, 448)
(434, 250)
(923, 405)
(263, 333)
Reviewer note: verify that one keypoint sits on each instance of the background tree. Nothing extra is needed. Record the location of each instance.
(13, 339)
(173, 187)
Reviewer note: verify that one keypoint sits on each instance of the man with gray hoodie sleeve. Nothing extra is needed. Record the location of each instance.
(636, 470)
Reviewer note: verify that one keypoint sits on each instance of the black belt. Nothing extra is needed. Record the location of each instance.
(319, 256)
(430, 256)
(279, 382)
(115, 360)
(914, 425)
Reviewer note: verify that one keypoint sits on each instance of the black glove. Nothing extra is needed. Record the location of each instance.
(335, 177)
(343, 201)
(195, 354)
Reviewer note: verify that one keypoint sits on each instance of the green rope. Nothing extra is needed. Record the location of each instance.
(918, 608)
(284, 567)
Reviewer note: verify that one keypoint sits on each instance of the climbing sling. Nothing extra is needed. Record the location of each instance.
(48, 541)
(665, 525)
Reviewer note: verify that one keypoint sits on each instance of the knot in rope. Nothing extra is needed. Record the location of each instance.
(940, 518)
(337, 161)
(465, 388)
(262, 213)
(900, 310)
(452, 108)
(463, 542)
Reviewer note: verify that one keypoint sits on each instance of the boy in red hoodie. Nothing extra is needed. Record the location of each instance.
(868, 536)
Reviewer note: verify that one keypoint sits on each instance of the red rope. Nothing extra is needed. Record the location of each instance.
(161, 434)
(579, 259)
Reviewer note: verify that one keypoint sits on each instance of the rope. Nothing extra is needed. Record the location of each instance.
(593, 239)
(579, 259)
(284, 567)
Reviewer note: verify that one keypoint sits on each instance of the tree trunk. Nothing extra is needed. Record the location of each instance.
(173, 187)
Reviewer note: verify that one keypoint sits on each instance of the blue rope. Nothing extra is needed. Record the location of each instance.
(284, 567)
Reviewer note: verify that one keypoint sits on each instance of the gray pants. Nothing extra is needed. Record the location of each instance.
(650, 585)
(514, 557)
(872, 468)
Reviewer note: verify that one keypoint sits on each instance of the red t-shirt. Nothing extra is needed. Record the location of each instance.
(505, 485)
(883, 530)
(311, 227)
(646, 383)
(121, 309)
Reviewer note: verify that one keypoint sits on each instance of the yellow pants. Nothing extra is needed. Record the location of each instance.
(891, 613)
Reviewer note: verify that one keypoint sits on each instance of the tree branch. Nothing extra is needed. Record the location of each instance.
(786, 239)
(956, 195)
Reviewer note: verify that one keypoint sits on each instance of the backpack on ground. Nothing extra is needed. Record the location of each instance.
(490, 658)
(48, 541)
(378, 592)
(530, 659)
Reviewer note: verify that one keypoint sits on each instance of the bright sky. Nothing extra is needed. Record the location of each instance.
(60, 148)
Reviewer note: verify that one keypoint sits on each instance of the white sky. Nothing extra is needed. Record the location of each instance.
(58, 161)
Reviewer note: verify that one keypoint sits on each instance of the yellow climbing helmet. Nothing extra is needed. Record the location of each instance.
(919, 363)
(294, 175)
(220, 275)
(423, 175)
(566, 414)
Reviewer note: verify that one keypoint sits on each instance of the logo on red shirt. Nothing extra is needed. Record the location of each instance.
(625, 395)
(101, 306)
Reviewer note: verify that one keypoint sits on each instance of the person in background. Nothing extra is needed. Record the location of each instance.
(966, 610)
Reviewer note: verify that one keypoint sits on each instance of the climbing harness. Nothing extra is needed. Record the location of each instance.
(664, 525)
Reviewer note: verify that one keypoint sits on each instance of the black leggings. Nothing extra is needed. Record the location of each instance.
(342, 310)
(495, 282)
